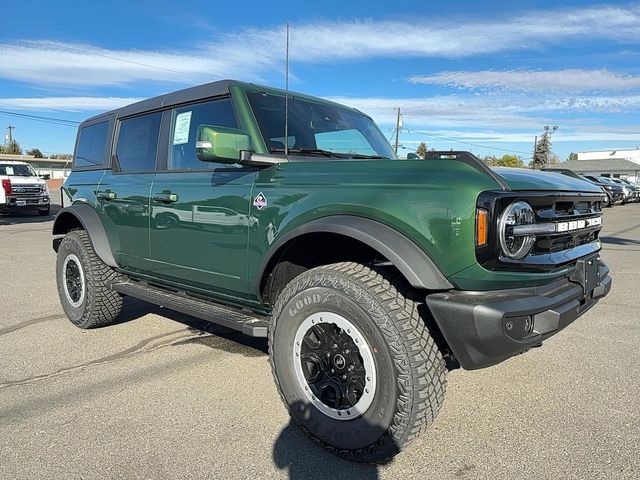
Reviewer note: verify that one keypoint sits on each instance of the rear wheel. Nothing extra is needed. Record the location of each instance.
(353, 361)
(607, 201)
(84, 283)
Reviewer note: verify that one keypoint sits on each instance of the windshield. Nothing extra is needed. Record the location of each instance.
(18, 170)
(317, 128)
(607, 180)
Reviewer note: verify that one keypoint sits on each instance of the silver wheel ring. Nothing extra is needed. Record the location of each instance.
(368, 395)
(73, 258)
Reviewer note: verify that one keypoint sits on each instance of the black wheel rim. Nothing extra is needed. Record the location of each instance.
(73, 280)
(334, 365)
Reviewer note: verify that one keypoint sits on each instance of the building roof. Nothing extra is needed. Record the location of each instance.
(600, 165)
(7, 158)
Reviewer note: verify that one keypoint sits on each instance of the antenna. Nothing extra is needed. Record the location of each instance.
(286, 96)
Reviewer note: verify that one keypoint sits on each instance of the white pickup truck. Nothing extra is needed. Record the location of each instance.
(22, 190)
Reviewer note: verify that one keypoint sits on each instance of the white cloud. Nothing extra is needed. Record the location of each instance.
(68, 104)
(576, 134)
(253, 52)
(569, 80)
(500, 110)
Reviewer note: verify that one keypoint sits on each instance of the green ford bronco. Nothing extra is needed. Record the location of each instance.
(372, 277)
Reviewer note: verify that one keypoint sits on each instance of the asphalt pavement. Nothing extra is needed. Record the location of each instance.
(156, 396)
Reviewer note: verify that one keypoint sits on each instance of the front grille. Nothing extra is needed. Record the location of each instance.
(26, 190)
(566, 212)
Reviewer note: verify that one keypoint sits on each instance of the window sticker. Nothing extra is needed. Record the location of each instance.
(10, 171)
(181, 130)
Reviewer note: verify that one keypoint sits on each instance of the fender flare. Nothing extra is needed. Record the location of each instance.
(88, 218)
(416, 266)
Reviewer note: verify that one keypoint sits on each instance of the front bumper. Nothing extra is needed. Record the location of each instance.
(21, 204)
(486, 328)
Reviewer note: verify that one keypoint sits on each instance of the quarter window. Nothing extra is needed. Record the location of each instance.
(184, 125)
(138, 143)
(92, 146)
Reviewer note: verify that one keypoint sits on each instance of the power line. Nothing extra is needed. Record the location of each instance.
(132, 62)
(40, 118)
(467, 143)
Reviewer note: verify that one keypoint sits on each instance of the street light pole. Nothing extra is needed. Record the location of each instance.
(548, 134)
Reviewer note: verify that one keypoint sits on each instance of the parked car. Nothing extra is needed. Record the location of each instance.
(22, 189)
(635, 189)
(372, 277)
(613, 194)
(627, 193)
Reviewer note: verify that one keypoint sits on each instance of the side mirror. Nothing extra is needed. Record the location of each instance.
(413, 156)
(220, 144)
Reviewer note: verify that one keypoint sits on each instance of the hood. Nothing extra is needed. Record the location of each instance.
(16, 180)
(524, 179)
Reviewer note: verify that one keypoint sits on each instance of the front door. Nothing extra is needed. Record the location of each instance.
(123, 194)
(200, 211)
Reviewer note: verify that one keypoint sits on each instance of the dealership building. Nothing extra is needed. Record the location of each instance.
(607, 163)
(53, 168)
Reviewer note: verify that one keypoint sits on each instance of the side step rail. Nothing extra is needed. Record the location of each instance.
(252, 325)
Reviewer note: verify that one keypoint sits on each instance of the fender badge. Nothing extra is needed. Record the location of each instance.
(260, 201)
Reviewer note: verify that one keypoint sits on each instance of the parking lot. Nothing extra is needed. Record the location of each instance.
(157, 397)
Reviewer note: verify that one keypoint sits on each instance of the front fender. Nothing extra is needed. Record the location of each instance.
(416, 266)
(85, 217)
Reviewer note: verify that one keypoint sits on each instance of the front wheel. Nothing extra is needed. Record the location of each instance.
(84, 283)
(354, 362)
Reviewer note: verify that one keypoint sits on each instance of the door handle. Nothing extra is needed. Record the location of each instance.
(165, 197)
(107, 195)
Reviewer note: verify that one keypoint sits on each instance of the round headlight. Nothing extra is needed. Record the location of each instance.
(516, 246)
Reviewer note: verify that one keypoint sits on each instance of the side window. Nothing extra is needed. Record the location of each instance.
(138, 143)
(184, 124)
(92, 146)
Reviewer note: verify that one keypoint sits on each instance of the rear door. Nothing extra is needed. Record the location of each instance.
(200, 217)
(123, 194)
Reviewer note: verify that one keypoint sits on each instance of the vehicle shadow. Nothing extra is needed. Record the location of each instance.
(619, 241)
(210, 335)
(303, 459)
(28, 217)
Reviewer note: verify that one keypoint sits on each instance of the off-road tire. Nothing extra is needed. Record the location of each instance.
(101, 305)
(411, 370)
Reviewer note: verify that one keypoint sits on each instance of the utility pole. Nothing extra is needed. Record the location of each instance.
(9, 136)
(535, 147)
(548, 133)
(397, 132)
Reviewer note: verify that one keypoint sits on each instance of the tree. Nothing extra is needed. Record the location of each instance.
(542, 151)
(422, 150)
(34, 152)
(554, 160)
(510, 161)
(572, 156)
(505, 161)
(11, 148)
(490, 160)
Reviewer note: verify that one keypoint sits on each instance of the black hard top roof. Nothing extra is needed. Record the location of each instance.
(207, 90)
(199, 92)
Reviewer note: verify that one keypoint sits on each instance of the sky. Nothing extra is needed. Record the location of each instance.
(479, 76)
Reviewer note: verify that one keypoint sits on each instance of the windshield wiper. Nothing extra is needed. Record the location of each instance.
(309, 151)
(374, 157)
